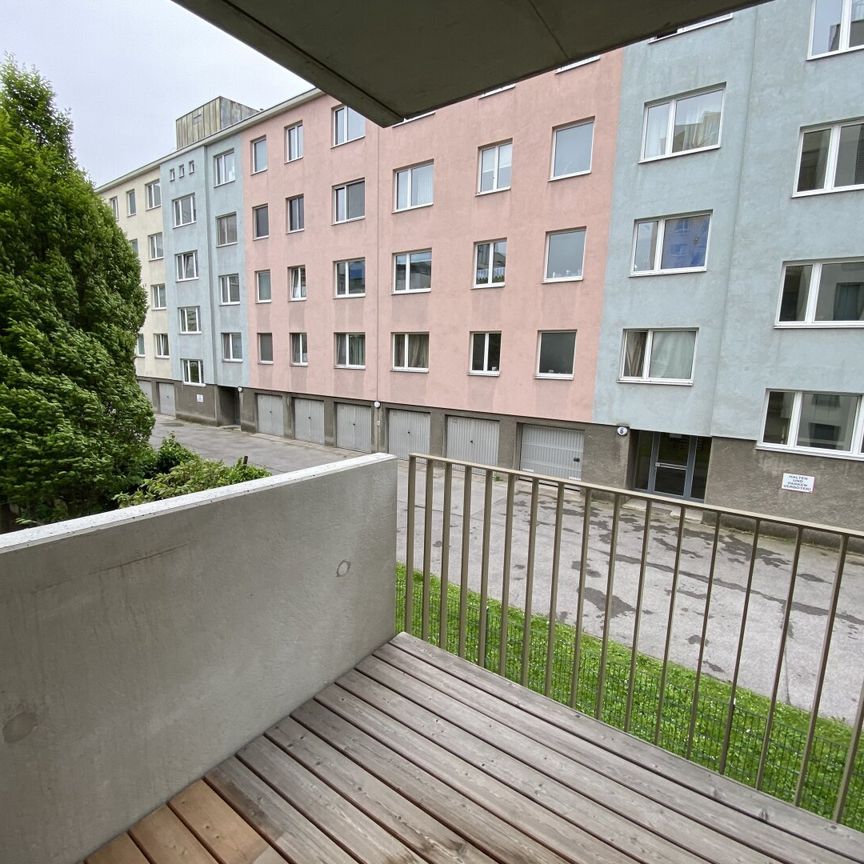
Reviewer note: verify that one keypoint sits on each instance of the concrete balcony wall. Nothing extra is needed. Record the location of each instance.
(141, 647)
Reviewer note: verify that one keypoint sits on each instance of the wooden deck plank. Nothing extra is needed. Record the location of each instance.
(282, 825)
(164, 839)
(220, 828)
(121, 850)
(755, 819)
(413, 826)
(483, 829)
(630, 822)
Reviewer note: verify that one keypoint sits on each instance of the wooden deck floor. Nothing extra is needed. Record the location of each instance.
(417, 756)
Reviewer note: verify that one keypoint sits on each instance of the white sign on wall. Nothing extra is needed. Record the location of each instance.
(199, 397)
(798, 482)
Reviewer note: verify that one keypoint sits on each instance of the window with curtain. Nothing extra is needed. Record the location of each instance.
(823, 292)
(658, 355)
(414, 186)
(682, 124)
(411, 352)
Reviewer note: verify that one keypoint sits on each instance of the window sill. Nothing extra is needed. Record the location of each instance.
(669, 382)
(682, 30)
(264, 302)
(259, 171)
(810, 451)
(162, 356)
(415, 207)
(646, 160)
(577, 64)
(496, 91)
(549, 376)
(156, 207)
(304, 365)
(474, 373)
(349, 296)
(194, 384)
(184, 224)
(265, 362)
(555, 177)
(223, 183)
(224, 245)
(810, 193)
(262, 237)
(677, 271)
(488, 285)
(555, 279)
(158, 308)
(346, 221)
(157, 259)
(296, 230)
(230, 303)
(483, 194)
(296, 299)
(347, 141)
(818, 325)
(295, 159)
(190, 332)
(350, 368)
(851, 50)
(228, 360)
(409, 369)
(410, 291)
(189, 279)
(408, 120)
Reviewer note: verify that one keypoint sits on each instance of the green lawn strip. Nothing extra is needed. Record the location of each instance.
(789, 732)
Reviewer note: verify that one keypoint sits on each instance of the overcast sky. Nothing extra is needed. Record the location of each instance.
(126, 69)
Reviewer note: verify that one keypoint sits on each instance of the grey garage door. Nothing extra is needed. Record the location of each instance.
(166, 399)
(354, 427)
(271, 414)
(309, 420)
(407, 432)
(549, 450)
(146, 389)
(472, 440)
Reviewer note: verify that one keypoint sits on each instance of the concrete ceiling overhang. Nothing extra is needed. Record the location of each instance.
(392, 59)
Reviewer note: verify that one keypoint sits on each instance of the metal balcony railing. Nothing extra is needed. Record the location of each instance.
(706, 633)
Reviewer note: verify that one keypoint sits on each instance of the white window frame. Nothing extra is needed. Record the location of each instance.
(151, 191)
(131, 204)
(554, 376)
(347, 337)
(833, 152)
(183, 312)
(232, 346)
(409, 170)
(497, 148)
(253, 159)
(346, 293)
(114, 204)
(177, 210)
(133, 243)
(339, 122)
(158, 340)
(288, 213)
(564, 128)
(139, 345)
(261, 361)
(673, 101)
(343, 188)
(407, 289)
(155, 298)
(406, 337)
(813, 287)
(186, 366)
(224, 219)
(688, 27)
(258, 275)
(491, 245)
(155, 247)
(485, 372)
(220, 164)
(226, 281)
(646, 364)
(845, 32)
(299, 339)
(294, 148)
(661, 221)
(171, 174)
(549, 235)
(181, 170)
(255, 222)
(297, 274)
(180, 265)
(191, 166)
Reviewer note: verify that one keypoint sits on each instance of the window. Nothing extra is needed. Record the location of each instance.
(171, 174)
(229, 289)
(571, 149)
(263, 293)
(293, 142)
(414, 186)
(351, 350)
(832, 157)
(158, 297)
(555, 352)
(297, 282)
(153, 191)
(154, 246)
(299, 349)
(223, 168)
(193, 372)
(495, 167)
(495, 90)
(259, 155)
(260, 222)
(184, 210)
(677, 243)
(181, 171)
(823, 292)
(187, 265)
(820, 421)
(294, 208)
(658, 355)
(161, 341)
(191, 166)
(351, 278)
(838, 25)
(115, 207)
(265, 347)
(490, 262)
(578, 63)
(411, 352)
(139, 345)
(226, 229)
(131, 209)
(565, 252)
(485, 353)
(348, 125)
(232, 347)
(349, 201)
(699, 24)
(412, 271)
(134, 244)
(190, 319)
(682, 124)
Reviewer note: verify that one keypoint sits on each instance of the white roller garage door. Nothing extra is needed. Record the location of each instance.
(166, 399)
(472, 440)
(309, 420)
(146, 389)
(407, 432)
(553, 451)
(354, 427)
(271, 414)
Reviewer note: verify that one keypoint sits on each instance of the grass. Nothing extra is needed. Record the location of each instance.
(789, 731)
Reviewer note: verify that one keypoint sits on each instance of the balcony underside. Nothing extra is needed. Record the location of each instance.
(416, 755)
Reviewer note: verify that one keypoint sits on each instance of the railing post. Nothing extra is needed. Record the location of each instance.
(580, 602)
(484, 571)
(607, 610)
(427, 547)
(505, 576)
(443, 605)
(529, 583)
(466, 554)
(637, 621)
(553, 590)
(409, 547)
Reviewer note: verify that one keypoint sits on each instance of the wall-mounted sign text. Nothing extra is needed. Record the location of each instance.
(798, 482)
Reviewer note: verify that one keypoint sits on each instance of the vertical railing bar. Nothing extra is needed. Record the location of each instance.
(703, 636)
(409, 546)
(823, 665)
(529, 583)
(553, 589)
(851, 755)
(640, 591)
(427, 548)
(730, 713)
(443, 608)
(466, 554)
(580, 602)
(781, 650)
(607, 611)
(484, 571)
(505, 575)
(667, 645)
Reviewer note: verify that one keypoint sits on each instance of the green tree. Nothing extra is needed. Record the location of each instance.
(74, 425)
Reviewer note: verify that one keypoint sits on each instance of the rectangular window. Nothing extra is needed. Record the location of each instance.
(161, 341)
(139, 345)
(259, 155)
(838, 25)
(226, 229)
(673, 243)
(191, 166)
(223, 168)
(349, 201)
(351, 278)
(556, 350)
(229, 289)
(682, 124)
(265, 347)
(193, 371)
(485, 353)
(171, 174)
(260, 222)
(412, 271)
(263, 292)
(293, 142)
(823, 292)
(115, 207)
(490, 263)
(181, 171)
(158, 297)
(131, 209)
(495, 167)
(154, 246)
(820, 421)
(565, 254)
(658, 355)
(411, 352)
(190, 319)
(186, 265)
(297, 282)
(299, 349)
(184, 210)
(232, 347)
(134, 244)
(571, 149)
(153, 192)
(351, 350)
(832, 158)
(348, 125)
(414, 186)
(295, 210)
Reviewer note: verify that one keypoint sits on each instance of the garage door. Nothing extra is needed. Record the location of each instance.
(407, 432)
(548, 450)
(354, 427)
(271, 414)
(309, 420)
(146, 389)
(166, 399)
(472, 440)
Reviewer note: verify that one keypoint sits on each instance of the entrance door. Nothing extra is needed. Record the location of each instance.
(229, 406)
(669, 464)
